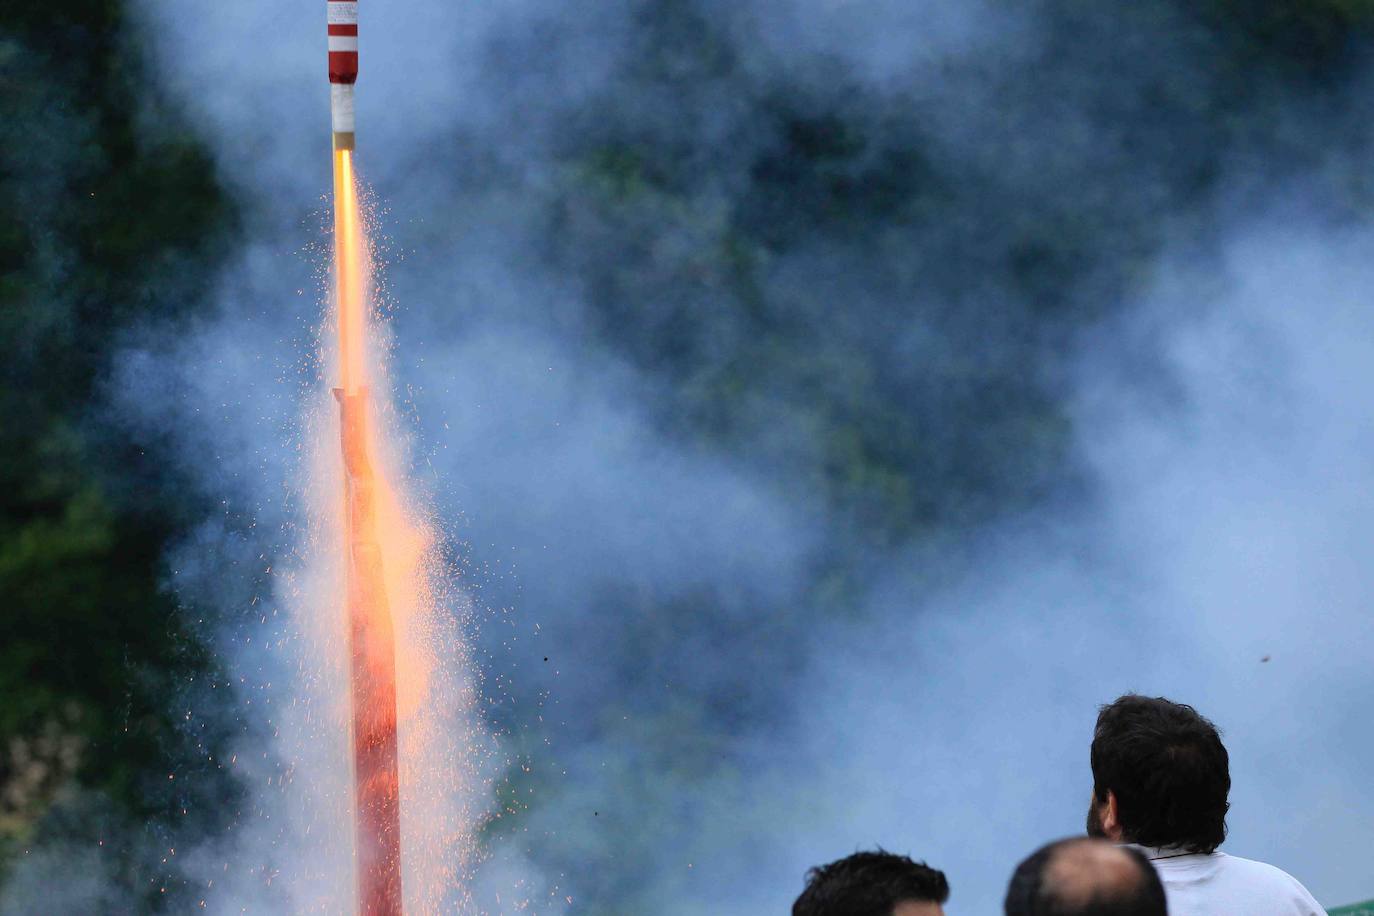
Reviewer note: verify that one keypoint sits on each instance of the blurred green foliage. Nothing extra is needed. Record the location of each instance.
(109, 213)
(1002, 266)
(1355, 909)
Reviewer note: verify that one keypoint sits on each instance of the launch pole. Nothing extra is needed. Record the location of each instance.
(372, 644)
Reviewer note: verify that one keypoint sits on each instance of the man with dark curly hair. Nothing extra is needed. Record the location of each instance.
(873, 884)
(1161, 777)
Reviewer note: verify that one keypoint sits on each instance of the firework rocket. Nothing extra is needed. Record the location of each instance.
(372, 643)
(343, 68)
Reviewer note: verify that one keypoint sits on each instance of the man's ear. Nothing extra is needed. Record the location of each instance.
(1111, 820)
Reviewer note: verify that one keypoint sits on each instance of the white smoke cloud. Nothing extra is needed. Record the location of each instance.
(1224, 564)
(890, 45)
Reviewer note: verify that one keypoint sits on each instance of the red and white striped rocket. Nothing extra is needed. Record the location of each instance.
(343, 68)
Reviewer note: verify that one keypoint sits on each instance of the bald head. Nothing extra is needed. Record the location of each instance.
(1082, 871)
(1084, 877)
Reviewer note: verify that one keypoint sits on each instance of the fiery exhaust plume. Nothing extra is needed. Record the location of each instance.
(371, 633)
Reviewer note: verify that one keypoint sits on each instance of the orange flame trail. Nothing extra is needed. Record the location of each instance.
(372, 640)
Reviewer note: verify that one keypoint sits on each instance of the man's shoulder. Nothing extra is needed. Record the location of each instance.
(1252, 868)
(1262, 875)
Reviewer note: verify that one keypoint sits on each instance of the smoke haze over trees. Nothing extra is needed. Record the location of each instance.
(111, 214)
(842, 398)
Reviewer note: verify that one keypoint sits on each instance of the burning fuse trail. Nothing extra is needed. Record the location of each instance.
(372, 641)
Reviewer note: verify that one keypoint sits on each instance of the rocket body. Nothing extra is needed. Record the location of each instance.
(343, 68)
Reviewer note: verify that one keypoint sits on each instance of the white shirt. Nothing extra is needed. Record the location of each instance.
(1215, 884)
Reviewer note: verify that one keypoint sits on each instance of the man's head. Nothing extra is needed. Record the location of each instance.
(1081, 877)
(873, 884)
(1160, 776)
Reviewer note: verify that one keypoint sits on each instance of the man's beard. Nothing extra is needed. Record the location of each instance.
(1095, 821)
